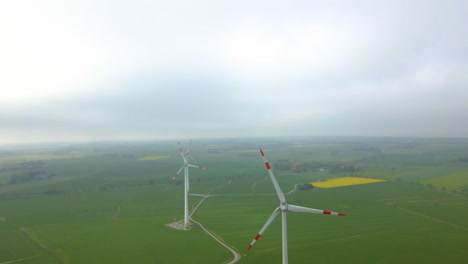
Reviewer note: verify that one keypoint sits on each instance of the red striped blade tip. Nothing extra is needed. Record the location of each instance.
(341, 214)
(250, 246)
(261, 152)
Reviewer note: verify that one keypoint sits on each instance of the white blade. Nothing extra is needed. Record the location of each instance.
(181, 152)
(273, 179)
(194, 166)
(295, 208)
(177, 174)
(189, 156)
(190, 146)
(272, 217)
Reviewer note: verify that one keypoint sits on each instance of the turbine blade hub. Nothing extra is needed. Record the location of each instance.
(284, 206)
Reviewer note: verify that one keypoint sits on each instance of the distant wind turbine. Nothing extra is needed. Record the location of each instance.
(284, 207)
(185, 166)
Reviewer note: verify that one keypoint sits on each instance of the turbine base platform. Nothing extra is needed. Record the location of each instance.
(179, 225)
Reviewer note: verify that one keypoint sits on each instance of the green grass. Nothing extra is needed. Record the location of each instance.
(107, 207)
(19, 246)
(450, 182)
(367, 219)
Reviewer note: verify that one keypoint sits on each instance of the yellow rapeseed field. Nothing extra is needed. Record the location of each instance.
(155, 157)
(338, 182)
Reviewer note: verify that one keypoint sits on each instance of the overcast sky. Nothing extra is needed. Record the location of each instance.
(90, 70)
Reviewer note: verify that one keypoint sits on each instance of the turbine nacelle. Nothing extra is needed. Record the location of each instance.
(284, 206)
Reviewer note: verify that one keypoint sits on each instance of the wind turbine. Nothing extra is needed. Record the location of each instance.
(283, 208)
(185, 167)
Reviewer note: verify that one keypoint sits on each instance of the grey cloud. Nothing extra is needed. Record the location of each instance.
(400, 72)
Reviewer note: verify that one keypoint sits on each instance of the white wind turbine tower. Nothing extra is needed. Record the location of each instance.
(185, 166)
(284, 207)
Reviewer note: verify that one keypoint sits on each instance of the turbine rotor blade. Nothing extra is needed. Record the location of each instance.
(181, 152)
(199, 167)
(189, 156)
(300, 209)
(188, 149)
(273, 179)
(268, 222)
(177, 174)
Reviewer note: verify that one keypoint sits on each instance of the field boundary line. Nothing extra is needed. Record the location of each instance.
(293, 190)
(37, 241)
(442, 221)
(342, 238)
(195, 206)
(246, 194)
(255, 183)
(396, 199)
(17, 260)
(436, 200)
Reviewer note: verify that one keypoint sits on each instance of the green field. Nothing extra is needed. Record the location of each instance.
(453, 181)
(96, 203)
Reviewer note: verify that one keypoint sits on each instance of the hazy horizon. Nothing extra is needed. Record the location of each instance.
(85, 71)
(197, 141)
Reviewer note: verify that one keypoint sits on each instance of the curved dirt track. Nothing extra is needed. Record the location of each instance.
(237, 256)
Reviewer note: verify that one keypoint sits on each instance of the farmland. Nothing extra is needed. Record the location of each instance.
(103, 205)
(154, 158)
(345, 181)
